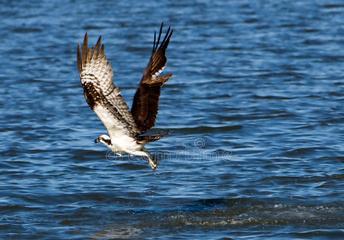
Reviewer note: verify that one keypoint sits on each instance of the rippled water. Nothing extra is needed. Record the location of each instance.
(255, 110)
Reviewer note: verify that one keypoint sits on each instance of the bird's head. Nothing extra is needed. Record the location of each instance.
(105, 139)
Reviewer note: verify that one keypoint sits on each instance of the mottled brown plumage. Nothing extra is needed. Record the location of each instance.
(125, 128)
(96, 78)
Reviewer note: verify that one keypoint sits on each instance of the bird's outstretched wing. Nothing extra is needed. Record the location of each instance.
(101, 94)
(146, 99)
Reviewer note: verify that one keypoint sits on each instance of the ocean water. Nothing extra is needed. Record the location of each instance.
(255, 112)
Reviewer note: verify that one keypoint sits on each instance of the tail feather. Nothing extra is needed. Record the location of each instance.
(143, 139)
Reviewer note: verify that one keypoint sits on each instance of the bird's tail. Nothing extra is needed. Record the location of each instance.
(143, 139)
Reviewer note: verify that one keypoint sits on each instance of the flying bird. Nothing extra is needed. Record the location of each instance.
(127, 129)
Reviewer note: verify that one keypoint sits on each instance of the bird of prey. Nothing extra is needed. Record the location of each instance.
(126, 128)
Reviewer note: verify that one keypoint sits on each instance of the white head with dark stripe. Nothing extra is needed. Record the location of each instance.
(105, 139)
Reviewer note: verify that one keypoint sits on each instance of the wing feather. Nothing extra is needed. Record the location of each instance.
(146, 100)
(96, 78)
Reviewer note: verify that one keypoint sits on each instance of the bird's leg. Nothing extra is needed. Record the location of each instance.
(152, 162)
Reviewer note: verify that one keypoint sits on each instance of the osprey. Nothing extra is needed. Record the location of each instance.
(126, 128)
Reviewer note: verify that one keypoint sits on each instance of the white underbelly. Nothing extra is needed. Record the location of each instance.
(120, 140)
(124, 143)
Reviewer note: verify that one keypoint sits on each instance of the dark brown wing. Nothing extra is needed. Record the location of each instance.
(146, 99)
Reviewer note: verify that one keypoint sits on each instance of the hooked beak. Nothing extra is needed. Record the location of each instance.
(96, 140)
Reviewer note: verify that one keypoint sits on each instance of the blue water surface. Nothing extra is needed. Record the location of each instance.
(255, 110)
